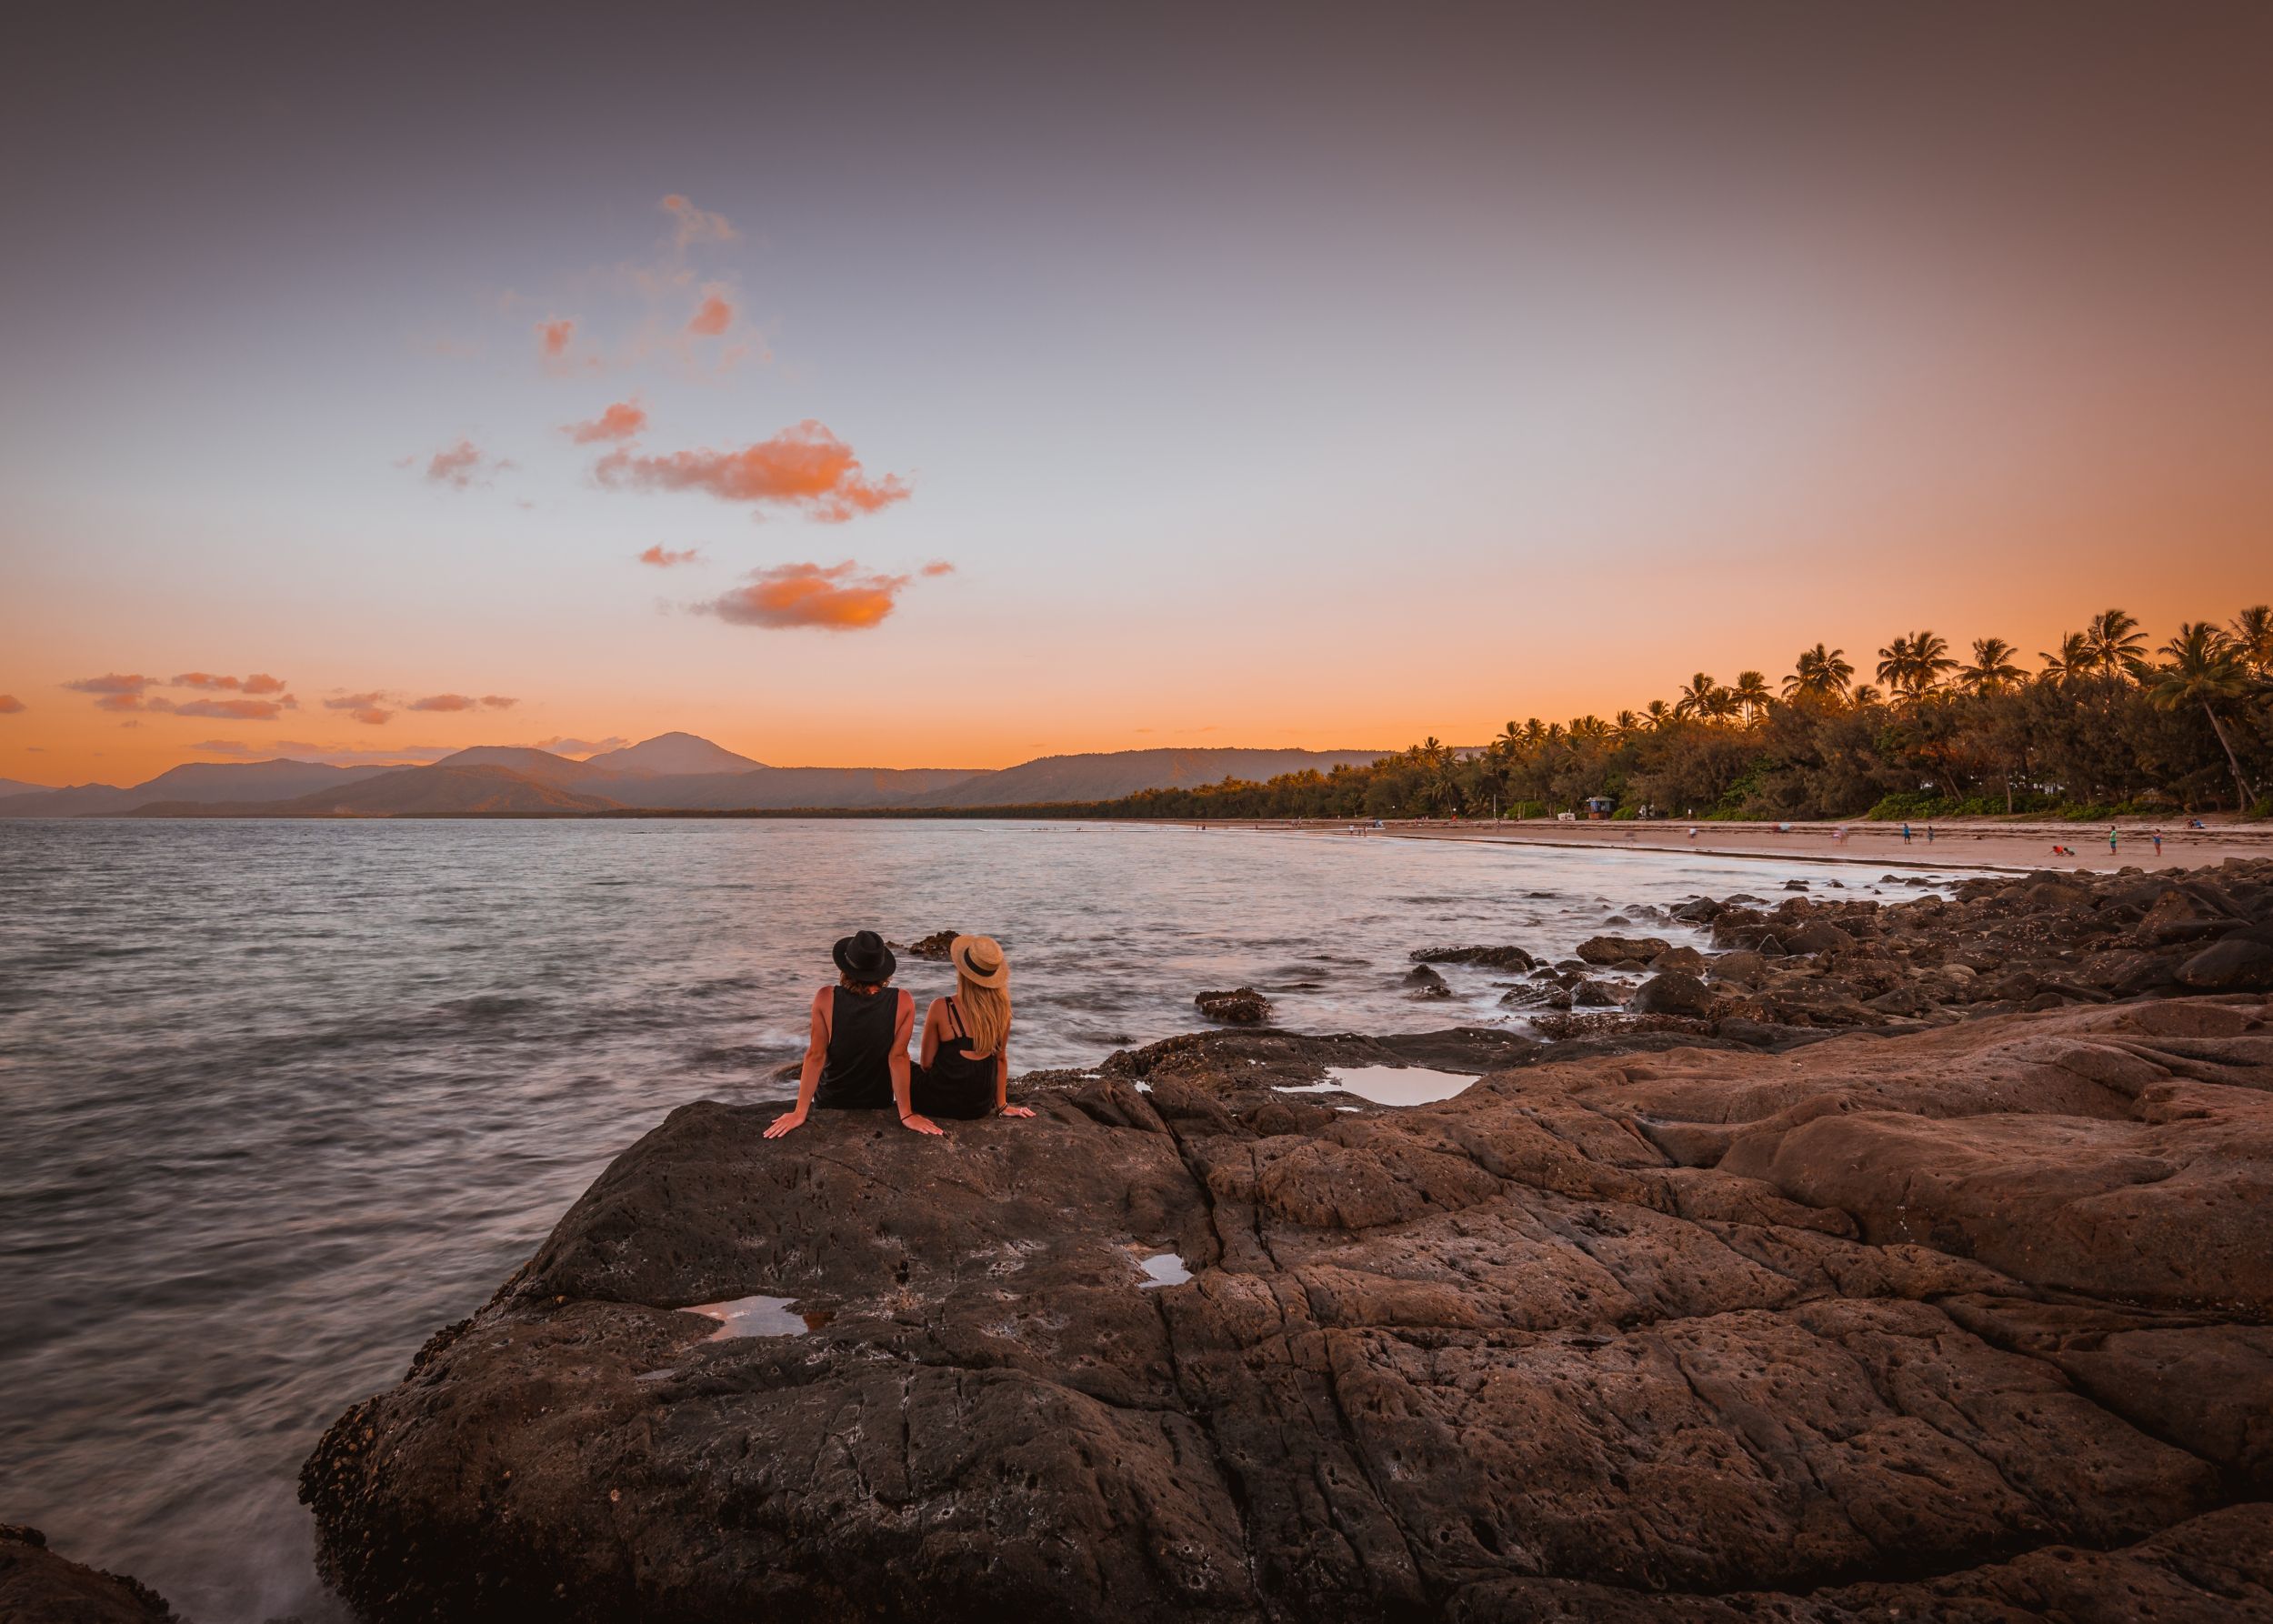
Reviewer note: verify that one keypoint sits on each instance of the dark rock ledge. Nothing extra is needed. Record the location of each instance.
(1969, 1323)
(38, 1587)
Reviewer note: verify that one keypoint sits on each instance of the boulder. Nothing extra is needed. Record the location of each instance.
(1679, 958)
(1612, 949)
(1597, 995)
(933, 946)
(1426, 983)
(1742, 967)
(1674, 992)
(1498, 958)
(1814, 935)
(1240, 1006)
(2236, 964)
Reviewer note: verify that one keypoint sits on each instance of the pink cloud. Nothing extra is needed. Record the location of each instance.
(713, 316)
(462, 466)
(367, 708)
(555, 336)
(663, 558)
(938, 567)
(10, 706)
(839, 597)
(233, 710)
(498, 702)
(443, 702)
(619, 421)
(690, 224)
(260, 682)
(807, 468)
(201, 679)
(113, 684)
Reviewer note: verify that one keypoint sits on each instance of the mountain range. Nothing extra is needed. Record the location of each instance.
(672, 772)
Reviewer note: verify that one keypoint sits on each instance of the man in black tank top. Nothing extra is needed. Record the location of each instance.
(856, 1058)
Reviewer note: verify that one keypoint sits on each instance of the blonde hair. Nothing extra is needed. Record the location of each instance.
(985, 1012)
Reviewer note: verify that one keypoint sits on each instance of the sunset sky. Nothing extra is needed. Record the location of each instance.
(945, 386)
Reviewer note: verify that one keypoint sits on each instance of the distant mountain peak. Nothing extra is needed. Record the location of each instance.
(672, 754)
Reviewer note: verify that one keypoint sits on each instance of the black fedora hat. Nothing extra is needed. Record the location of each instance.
(864, 957)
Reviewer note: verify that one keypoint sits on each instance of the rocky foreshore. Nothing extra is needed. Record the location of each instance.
(39, 1586)
(1922, 1269)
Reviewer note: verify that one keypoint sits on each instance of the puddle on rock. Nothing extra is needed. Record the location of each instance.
(1167, 1268)
(759, 1317)
(1387, 1085)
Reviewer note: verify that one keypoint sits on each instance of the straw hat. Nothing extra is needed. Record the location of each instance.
(980, 960)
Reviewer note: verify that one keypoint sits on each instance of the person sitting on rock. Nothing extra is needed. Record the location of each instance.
(856, 1059)
(965, 1072)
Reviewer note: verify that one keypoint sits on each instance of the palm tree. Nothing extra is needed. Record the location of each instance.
(2072, 660)
(1992, 670)
(1913, 666)
(1696, 697)
(2117, 647)
(2206, 670)
(1864, 693)
(1626, 724)
(1658, 713)
(1752, 695)
(1819, 672)
(2253, 637)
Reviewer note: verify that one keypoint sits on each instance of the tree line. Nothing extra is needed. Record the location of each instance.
(2104, 724)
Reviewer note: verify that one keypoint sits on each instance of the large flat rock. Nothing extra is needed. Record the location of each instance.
(1965, 1324)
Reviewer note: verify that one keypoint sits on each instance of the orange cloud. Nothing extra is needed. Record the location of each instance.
(113, 684)
(938, 567)
(619, 421)
(835, 597)
(498, 702)
(690, 224)
(10, 705)
(554, 336)
(260, 682)
(367, 708)
(663, 558)
(713, 316)
(201, 679)
(805, 466)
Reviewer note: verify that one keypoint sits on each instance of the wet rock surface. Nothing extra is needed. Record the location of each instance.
(1240, 1006)
(39, 1586)
(1969, 1321)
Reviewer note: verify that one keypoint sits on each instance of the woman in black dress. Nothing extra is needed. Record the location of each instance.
(856, 1059)
(965, 1069)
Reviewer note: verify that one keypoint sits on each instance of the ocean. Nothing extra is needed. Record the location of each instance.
(283, 1097)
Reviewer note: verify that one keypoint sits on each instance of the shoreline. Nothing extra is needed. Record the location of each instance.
(1975, 845)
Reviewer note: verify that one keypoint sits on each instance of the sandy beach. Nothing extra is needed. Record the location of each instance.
(1969, 844)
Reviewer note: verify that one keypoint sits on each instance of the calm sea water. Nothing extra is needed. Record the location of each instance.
(280, 1098)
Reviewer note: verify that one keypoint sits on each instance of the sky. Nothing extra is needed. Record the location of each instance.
(947, 387)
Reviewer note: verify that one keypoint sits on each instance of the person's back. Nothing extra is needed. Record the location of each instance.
(857, 1067)
(964, 1073)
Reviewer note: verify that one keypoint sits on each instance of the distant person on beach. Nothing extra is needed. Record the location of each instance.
(2156, 838)
(963, 1072)
(856, 1059)
(2111, 839)
(1906, 834)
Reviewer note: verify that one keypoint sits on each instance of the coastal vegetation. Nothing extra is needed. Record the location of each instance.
(2106, 723)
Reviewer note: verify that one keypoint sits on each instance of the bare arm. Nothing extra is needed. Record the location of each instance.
(1002, 1083)
(931, 1033)
(809, 1072)
(903, 1029)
